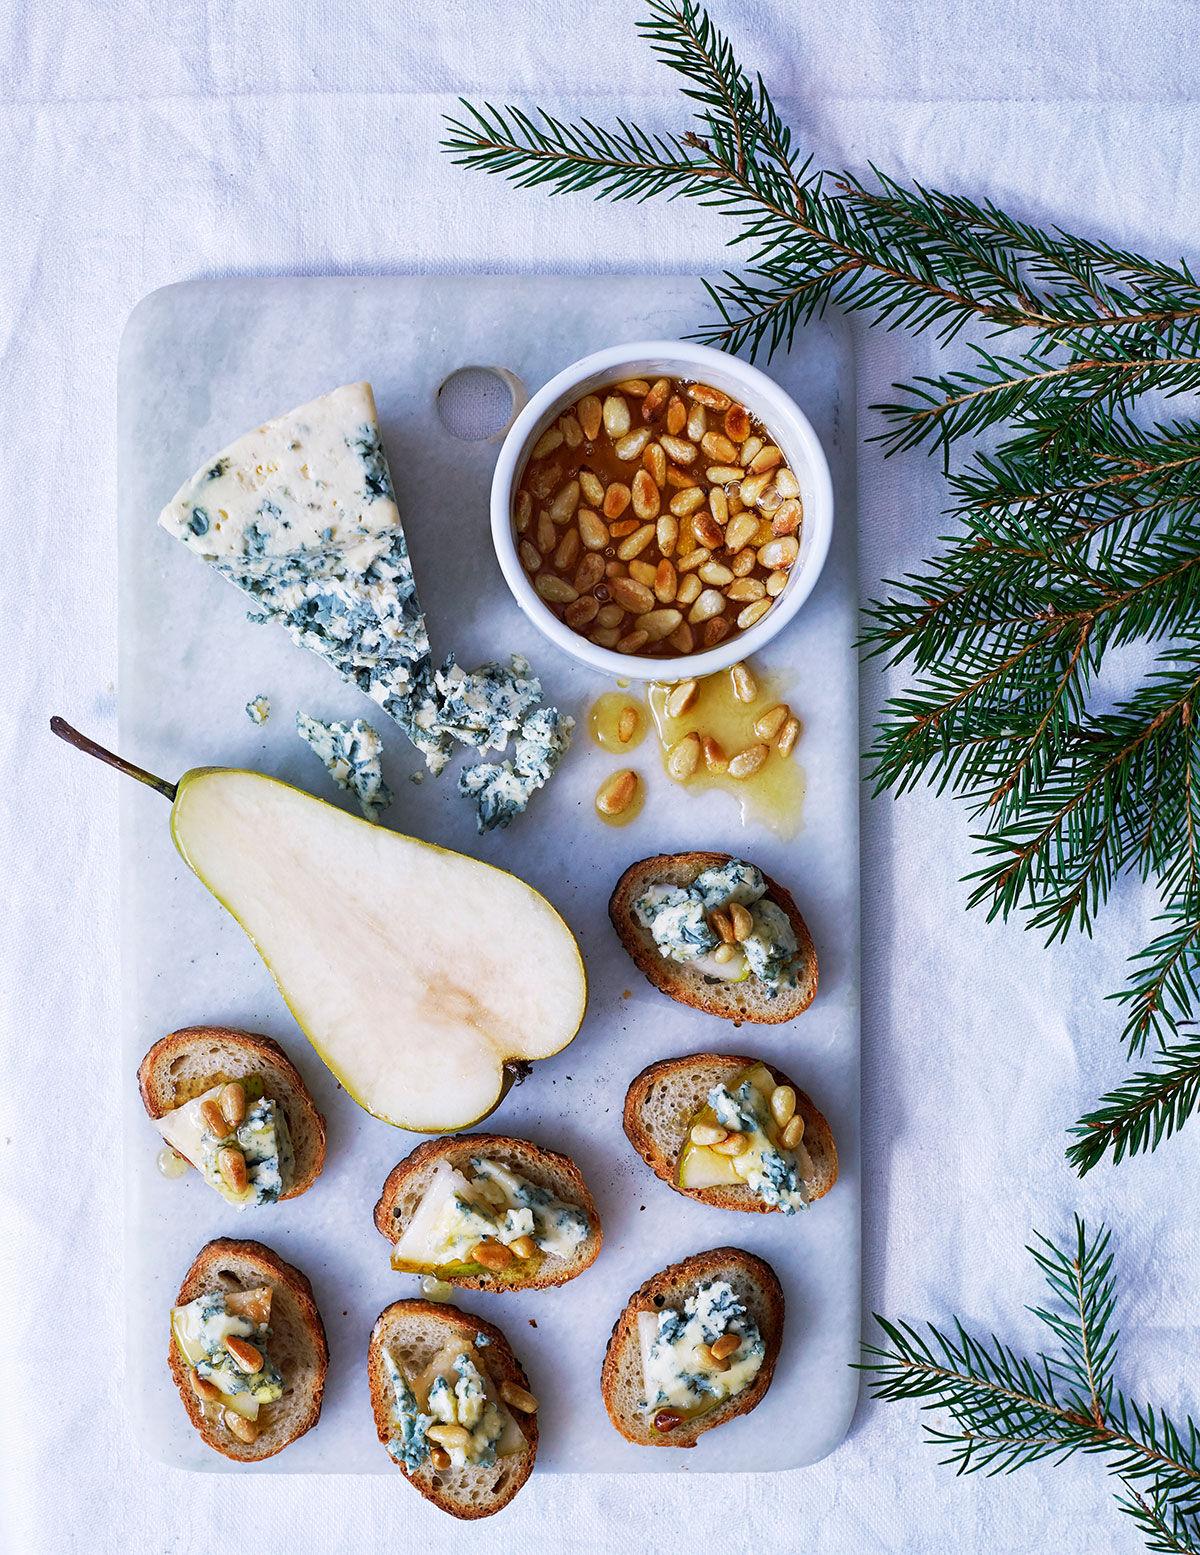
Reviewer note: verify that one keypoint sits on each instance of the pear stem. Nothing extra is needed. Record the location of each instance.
(63, 729)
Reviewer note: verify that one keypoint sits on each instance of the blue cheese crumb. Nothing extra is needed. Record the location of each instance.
(258, 709)
(351, 754)
(502, 790)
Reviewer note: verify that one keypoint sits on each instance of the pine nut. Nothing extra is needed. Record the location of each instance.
(231, 1164)
(743, 590)
(681, 698)
(721, 923)
(711, 603)
(633, 642)
(658, 624)
(684, 757)
(491, 1255)
(733, 1144)
(609, 615)
(616, 416)
(440, 1459)
(637, 387)
(214, 1120)
(741, 922)
(786, 484)
(676, 417)
(647, 499)
(630, 446)
(623, 527)
(563, 507)
(783, 1105)
(581, 613)
(590, 414)
(715, 758)
(724, 474)
(745, 687)
(772, 721)
(631, 596)
(592, 488)
(668, 534)
(719, 449)
(616, 499)
(715, 631)
(751, 449)
(705, 394)
(743, 563)
(207, 1392)
(747, 762)
(571, 430)
(724, 953)
(518, 1398)
(449, 1436)
(779, 553)
(547, 539)
(680, 480)
(678, 449)
(655, 462)
(693, 559)
(708, 531)
(643, 572)
(524, 1247)
(588, 573)
(547, 443)
(555, 590)
(740, 531)
(637, 542)
(715, 573)
(687, 501)
(707, 1353)
(718, 504)
(593, 531)
(792, 1133)
(725, 1346)
(605, 636)
(788, 735)
(656, 398)
(753, 487)
(682, 638)
(752, 614)
(627, 724)
(737, 423)
(776, 584)
(688, 591)
(567, 553)
(707, 1134)
(246, 1357)
(786, 518)
(666, 581)
(667, 1419)
(237, 1425)
(766, 460)
(233, 1103)
(523, 516)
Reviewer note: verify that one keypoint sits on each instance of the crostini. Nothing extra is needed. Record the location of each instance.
(248, 1350)
(487, 1212)
(694, 1348)
(715, 933)
(235, 1107)
(452, 1406)
(731, 1131)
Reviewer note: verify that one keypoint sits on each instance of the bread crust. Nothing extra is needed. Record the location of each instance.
(672, 1285)
(818, 1136)
(730, 1001)
(501, 1364)
(269, 1269)
(546, 1167)
(305, 1123)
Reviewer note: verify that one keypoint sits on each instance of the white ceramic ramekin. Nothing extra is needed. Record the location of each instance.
(764, 399)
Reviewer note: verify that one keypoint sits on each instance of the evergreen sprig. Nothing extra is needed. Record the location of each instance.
(1073, 532)
(1007, 1410)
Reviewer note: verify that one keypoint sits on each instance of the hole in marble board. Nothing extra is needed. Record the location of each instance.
(479, 404)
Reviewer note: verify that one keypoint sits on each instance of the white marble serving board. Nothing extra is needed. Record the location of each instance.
(202, 362)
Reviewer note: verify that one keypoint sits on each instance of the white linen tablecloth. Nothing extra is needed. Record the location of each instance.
(144, 143)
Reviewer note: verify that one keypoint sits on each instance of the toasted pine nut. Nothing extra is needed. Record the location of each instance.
(719, 449)
(643, 572)
(571, 430)
(725, 1346)
(668, 534)
(658, 624)
(693, 559)
(687, 501)
(767, 459)
(638, 387)
(449, 1436)
(734, 1143)
(752, 448)
(246, 1357)
(721, 923)
(524, 511)
(633, 642)
(546, 537)
(627, 723)
(681, 698)
(524, 1247)
(783, 1105)
(613, 797)
(772, 721)
(724, 953)
(656, 398)
(718, 504)
(741, 531)
(752, 614)
(492, 1255)
(737, 423)
(682, 639)
(786, 518)
(707, 531)
(588, 573)
(634, 544)
(715, 573)
(724, 474)
(593, 531)
(745, 687)
(518, 1398)
(707, 1134)
(793, 1133)
(581, 613)
(592, 487)
(788, 735)
(666, 581)
(237, 1425)
(555, 590)
(688, 590)
(207, 1392)
(609, 615)
(655, 462)
(616, 499)
(747, 762)
(676, 417)
(631, 445)
(605, 636)
(567, 553)
(711, 603)
(563, 507)
(440, 1458)
(616, 416)
(786, 484)
(705, 394)
(743, 563)
(684, 757)
(697, 422)
(678, 449)
(590, 413)
(231, 1164)
(233, 1103)
(551, 439)
(743, 590)
(715, 758)
(214, 1119)
(779, 553)
(719, 1362)
(667, 1419)
(753, 487)
(623, 527)
(680, 480)
(742, 922)
(632, 596)
(715, 631)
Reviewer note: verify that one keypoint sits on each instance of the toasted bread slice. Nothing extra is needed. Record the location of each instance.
(622, 1381)
(297, 1346)
(407, 1182)
(414, 1332)
(732, 1001)
(663, 1099)
(185, 1064)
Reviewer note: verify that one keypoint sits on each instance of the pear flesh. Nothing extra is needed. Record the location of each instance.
(415, 972)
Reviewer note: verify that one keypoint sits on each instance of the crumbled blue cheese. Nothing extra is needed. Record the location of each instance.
(502, 790)
(262, 1137)
(678, 1372)
(485, 706)
(201, 1329)
(453, 1390)
(408, 1444)
(678, 920)
(769, 1170)
(351, 753)
(258, 709)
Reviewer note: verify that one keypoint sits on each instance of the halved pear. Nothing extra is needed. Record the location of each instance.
(421, 976)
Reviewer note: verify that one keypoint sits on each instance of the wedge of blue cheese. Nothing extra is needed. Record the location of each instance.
(351, 753)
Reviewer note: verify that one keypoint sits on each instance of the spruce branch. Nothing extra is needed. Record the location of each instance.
(1007, 1411)
(1142, 1112)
